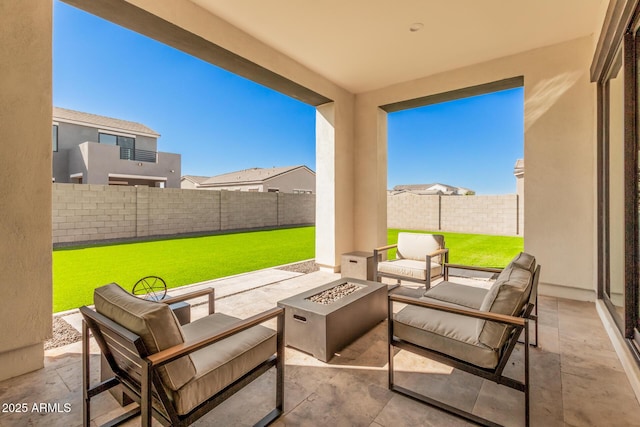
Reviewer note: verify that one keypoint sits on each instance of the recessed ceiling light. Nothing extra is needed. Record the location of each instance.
(416, 26)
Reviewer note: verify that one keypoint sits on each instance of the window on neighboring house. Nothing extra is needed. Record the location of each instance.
(55, 138)
(127, 144)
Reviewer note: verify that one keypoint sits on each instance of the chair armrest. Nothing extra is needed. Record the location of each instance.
(473, 267)
(386, 248)
(439, 252)
(177, 351)
(376, 258)
(210, 292)
(494, 317)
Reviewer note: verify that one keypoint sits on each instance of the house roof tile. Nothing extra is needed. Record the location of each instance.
(248, 176)
(95, 120)
(195, 178)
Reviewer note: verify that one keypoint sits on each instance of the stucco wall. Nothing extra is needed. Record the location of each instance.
(72, 134)
(299, 179)
(66, 160)
(520, 193)
(96, 161)
(25, 185)
(559, 149)
(98, 212)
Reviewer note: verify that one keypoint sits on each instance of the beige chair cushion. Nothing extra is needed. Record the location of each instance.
(154, 322)
(526, 261)
(447, 333)
(409, 268)
(221, 363)
(456, 293)
(507, 296)
(417, 246)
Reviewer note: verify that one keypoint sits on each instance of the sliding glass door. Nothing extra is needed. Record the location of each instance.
(614, 289)
(618, 173)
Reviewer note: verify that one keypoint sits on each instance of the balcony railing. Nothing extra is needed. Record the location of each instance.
(138, 155)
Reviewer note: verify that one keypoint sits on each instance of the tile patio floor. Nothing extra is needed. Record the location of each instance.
(576, 377)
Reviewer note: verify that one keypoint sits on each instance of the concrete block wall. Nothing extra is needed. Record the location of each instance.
(497, 215)
(293, 209)
(92, 212)
(97, 212)
(413, 212)
(243, 209)
(480, 214)
(177, 211)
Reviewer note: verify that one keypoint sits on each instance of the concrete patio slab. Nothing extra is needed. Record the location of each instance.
(574, 381)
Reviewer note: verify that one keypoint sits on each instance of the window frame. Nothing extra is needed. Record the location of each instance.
(54, 137)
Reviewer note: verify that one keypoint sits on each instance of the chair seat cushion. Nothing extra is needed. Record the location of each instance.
(408, 268)
(447, 333)
(223, 362)
(456, 293)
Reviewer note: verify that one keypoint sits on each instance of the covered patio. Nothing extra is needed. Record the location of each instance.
(577, 379)
(355, 62)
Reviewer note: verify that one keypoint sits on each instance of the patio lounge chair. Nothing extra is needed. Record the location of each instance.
(442, 326)
(419, 258)
(178, 374)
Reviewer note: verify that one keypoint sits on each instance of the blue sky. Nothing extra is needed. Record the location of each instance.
(221, 122)
(471, 142)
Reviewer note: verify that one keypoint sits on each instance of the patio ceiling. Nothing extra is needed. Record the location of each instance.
(324, 35)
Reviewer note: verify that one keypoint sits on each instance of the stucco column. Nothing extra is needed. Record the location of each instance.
(334, 183)
(25, 184)
(370, 166)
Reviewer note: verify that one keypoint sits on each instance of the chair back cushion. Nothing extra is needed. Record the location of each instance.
(524, 260)
(507, 295)
(153, 322)
(417, 246)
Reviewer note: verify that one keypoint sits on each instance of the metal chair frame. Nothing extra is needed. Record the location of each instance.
(377, 257)
(137, 370)
(518, 325)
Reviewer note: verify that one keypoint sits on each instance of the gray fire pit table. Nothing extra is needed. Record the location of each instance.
(323, 329)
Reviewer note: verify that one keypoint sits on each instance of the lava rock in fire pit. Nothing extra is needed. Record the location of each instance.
(334, 294)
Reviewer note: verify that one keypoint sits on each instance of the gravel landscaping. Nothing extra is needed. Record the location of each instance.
(301, 267)
(63, 334)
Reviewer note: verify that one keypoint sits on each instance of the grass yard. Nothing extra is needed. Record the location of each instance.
(78, 270)
(473, 249)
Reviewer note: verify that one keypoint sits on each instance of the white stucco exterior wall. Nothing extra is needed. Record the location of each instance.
(25, 185)
(559, 149)
(334, 184)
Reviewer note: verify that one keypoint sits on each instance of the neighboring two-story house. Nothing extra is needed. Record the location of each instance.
(93, 149)
(288, 179)
(433, 189)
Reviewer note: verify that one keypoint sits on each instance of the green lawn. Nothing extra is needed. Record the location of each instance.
(473, 249)
(78, 270)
